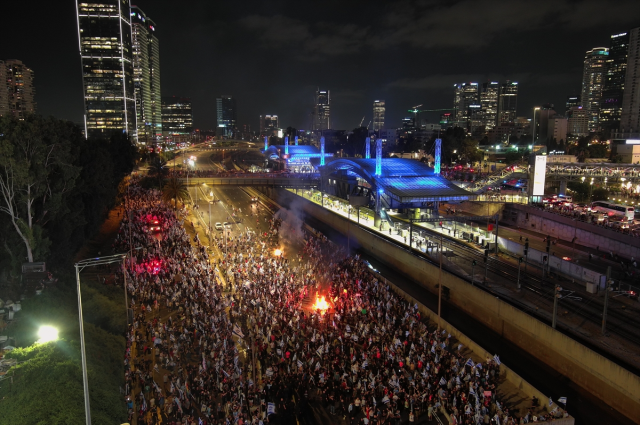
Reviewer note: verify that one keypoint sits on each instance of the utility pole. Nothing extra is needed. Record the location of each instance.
(473, 266)
(607, 285)
(440, 284)
(556, 297)
(520, 260)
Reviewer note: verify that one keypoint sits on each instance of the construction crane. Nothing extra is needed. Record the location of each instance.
(361, 121)
(416, 111)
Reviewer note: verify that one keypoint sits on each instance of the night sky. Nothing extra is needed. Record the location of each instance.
(271, 55)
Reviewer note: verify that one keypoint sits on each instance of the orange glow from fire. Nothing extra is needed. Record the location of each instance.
(277, 252)
(321, 304)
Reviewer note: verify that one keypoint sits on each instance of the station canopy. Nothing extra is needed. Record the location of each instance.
(295, 152)
(403, 180)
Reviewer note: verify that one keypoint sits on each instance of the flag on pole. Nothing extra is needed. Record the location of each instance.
(442, 381)
(470, 362)
(299, 363)
(550, 402)
(562, 400)
(385, 399)
(271, 408)
(496, 359)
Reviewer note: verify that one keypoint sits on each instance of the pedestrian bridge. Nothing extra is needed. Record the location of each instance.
(250, 179)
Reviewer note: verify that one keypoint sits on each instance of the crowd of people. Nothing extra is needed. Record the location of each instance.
(242, 337)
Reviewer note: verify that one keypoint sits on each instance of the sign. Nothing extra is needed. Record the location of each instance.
(539, 171)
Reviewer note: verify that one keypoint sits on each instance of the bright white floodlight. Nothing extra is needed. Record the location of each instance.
(47, 333)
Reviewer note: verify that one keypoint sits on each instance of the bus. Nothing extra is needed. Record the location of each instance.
(613, 210)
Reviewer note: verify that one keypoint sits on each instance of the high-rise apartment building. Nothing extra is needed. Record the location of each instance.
(507, 102)
(104, 32)
(592, 83)
(613, 88)
(378, 115)
(489, 104)
(17, 94)
(268, 124)
(630, 117)
(465, 95)
(177, 116)
(226, 117)
(146, 75)
(577, 121)
(322, 110)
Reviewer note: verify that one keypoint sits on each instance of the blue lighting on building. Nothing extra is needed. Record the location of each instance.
(367, 148)
(286, 145)
(266, 143)
(296, 140)
(322, 150)
(378, 157)
(436, 166)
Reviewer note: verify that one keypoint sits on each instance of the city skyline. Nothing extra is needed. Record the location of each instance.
(209, 37)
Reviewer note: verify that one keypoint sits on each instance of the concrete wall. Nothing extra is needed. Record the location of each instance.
(565, 228)
(613, 384)
(481, 208)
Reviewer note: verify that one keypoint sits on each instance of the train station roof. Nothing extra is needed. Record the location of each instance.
(403, 180)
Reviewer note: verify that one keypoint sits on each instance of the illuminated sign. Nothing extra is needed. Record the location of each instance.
(539, 171)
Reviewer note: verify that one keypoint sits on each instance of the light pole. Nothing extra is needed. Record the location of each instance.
(81, 265)
(533, 136)
(210, 203)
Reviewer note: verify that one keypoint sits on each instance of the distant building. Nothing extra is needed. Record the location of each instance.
(577, 121)
(630, 116)
(544, 115)
(322, 110)
(17, 93)
(268, 124)
(573, 100)
(226, 117)
(507, 102)
(614, 79)
(388, 136)
(466, 104)
(489, 104)
(557, 128)
(593, 77)
(630, 154)
(146, 75)
(177, 116)
(378, 115)
(106, 54)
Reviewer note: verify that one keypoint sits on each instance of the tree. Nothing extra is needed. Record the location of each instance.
(356, 140)
(36, 172)
(158, 167)
(176, 190)
(469, 150)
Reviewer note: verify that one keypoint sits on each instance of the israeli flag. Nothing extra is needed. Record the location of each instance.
(562, 400)
(550, 402)
(496, 359)
(459, 347)
(470, 362)
(299, 363)
(225, 373)
(385, 399)
(348, 329)
(271, 408)
(498, 404)
(479, 366)
(365, 364)
(471, 391)
(443, 381)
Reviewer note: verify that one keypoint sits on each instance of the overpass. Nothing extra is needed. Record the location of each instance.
(609, 172)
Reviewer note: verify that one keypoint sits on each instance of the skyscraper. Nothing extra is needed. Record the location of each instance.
(573, 100)
(146, 75)
(104, 36)
(378, 115)
(592, 84)
(613, 88)
(630, 117)
(489, 104)
(268, 124)
(16, 89)
(177, 116)
(322, 111)
(466, 105)
(507, 102)
(226, 116)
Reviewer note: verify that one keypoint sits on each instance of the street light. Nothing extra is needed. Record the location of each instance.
(81, 265)
(47, 334)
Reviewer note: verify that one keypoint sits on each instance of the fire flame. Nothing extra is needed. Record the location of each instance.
(321, 304)
(277, 252)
